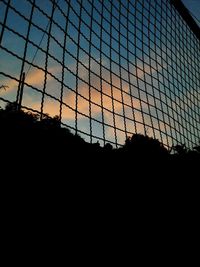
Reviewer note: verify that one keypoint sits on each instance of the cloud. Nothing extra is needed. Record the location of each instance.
(34, 77)
(112, 97)
(52, 107)
(144, 68)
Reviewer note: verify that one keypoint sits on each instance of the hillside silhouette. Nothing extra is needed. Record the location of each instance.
(23, 133)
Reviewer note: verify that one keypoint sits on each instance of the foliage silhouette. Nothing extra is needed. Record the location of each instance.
(197, 148)
(24, 133)
(145, 146)
(180, 149)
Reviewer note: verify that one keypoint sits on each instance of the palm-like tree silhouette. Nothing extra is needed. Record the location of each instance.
(4, 87)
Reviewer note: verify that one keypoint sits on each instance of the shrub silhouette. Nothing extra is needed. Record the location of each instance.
(145, 146)
(25, 133)
(197, 148)
(180, 149)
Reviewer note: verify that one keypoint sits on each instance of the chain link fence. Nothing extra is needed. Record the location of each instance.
(107, 68)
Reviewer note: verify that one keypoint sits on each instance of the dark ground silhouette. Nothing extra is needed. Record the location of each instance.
(23, 133)
(45, 167)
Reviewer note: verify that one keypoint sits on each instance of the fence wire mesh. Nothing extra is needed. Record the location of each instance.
(107, 68)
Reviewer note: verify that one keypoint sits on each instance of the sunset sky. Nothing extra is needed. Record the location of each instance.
(146, 67)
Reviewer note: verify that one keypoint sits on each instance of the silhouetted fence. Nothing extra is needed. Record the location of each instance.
(107, 68)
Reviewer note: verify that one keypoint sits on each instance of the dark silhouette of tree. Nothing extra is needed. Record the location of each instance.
(108, 147)
(183, 153)
(144, 146)
(197, 148)
(180, 149)
(24, 133)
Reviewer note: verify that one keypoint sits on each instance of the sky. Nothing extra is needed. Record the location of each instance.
(144, 60)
